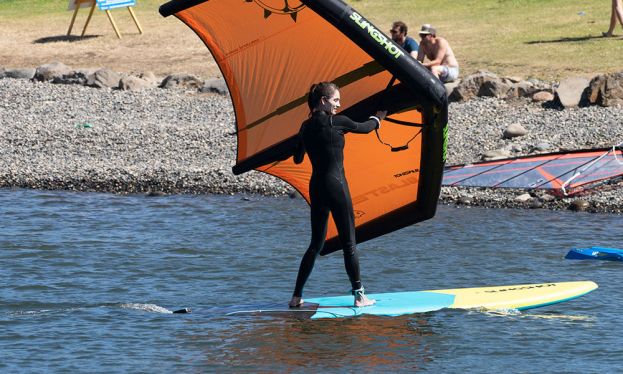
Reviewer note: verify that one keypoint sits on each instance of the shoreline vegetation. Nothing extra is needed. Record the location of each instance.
(177, 139)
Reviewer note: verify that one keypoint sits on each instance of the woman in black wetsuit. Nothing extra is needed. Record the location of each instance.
(322, 137)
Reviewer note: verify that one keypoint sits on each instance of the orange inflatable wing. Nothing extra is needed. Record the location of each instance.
(271, 51)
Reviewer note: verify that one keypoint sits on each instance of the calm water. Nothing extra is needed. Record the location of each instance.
(88, 280)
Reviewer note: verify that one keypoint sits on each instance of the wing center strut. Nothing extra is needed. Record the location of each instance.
(396, 121)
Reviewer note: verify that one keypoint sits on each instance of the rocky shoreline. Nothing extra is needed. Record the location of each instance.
(160, 141)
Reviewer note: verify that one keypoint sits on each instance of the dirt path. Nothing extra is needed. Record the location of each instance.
(167, 46)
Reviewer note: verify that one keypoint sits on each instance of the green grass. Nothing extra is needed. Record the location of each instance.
(14, 9)
(547, 39)
(11, 9)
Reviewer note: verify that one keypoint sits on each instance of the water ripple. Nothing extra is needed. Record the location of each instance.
(89, 281)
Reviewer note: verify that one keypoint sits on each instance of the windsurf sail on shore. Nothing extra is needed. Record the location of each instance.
(563, 173)
(271, 51)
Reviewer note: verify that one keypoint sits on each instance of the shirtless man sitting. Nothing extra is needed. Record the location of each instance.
(442, 62)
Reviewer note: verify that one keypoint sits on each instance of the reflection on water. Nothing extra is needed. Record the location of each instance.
(370, 343)
(563, 317)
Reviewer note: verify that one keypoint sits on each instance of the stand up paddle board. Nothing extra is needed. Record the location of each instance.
(520, 297)
(595, 253)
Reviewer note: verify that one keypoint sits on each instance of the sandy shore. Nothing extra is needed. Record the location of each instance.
(167, 141)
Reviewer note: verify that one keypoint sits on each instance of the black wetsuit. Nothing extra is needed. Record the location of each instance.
(322, 137)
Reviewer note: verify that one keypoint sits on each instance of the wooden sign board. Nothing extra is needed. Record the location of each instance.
(112, 4)
(105, 5)
(73, 4)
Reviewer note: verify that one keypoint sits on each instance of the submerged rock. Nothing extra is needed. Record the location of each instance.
(579, 205)
(535, 204)
(465, 200)
(523, 197)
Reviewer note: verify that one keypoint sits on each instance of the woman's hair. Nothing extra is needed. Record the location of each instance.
(319, 90)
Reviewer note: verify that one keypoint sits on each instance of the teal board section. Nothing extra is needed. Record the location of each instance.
(595, 253)
(387, 304)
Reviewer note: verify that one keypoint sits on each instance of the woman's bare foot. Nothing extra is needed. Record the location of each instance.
(361, 299)
(295, 302)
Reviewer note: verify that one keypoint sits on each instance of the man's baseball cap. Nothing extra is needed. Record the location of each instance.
(427, 29)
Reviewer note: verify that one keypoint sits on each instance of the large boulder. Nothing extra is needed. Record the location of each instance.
(132, 83)
(606, 90)
(182, 81)
(104, 78)
(469, 87)
(74, 77)
(451, 86)
(215, 85)
(572, 92)
(49, 72)
(483, 83)
(524, 88)
(501, 88)
(26, 73)
(149, 77)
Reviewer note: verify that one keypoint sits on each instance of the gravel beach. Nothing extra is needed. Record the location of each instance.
(155, 141)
